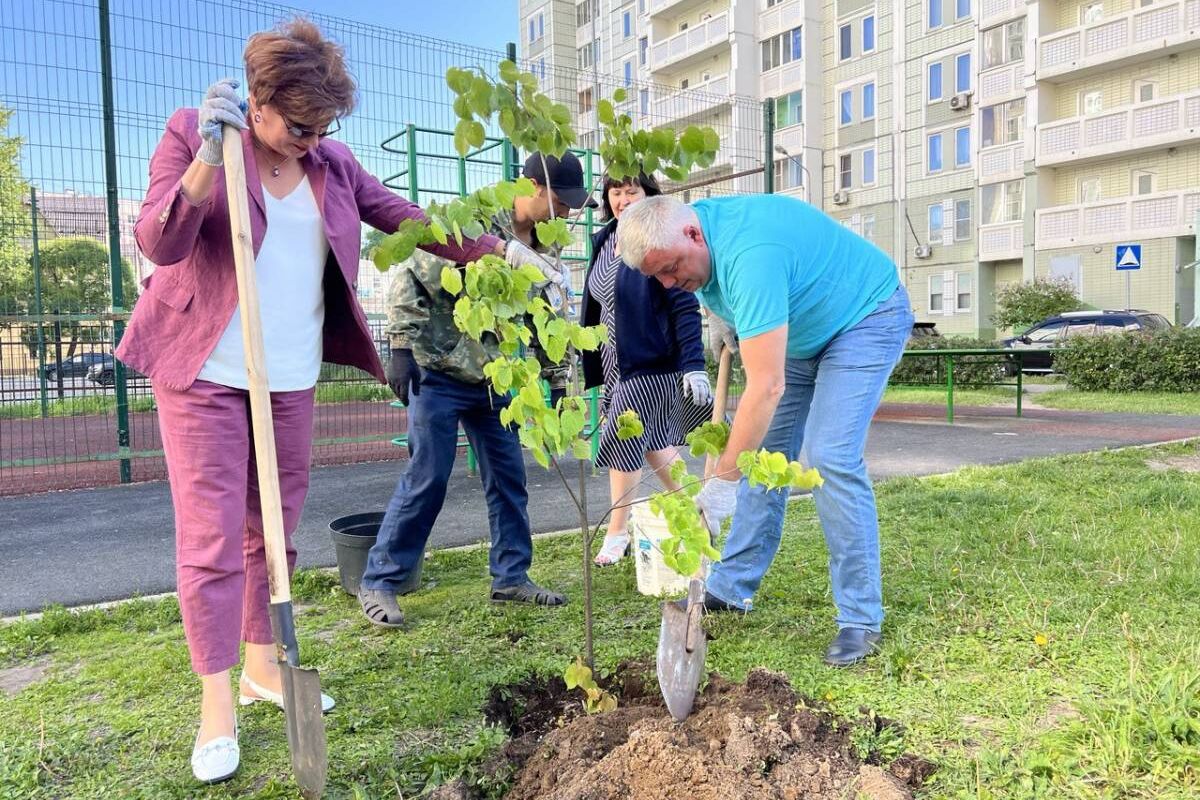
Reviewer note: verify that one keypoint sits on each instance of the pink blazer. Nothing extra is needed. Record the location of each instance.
(188, 301)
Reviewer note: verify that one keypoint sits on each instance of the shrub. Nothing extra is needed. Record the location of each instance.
(968, 370)
(1020, 305)
(1163, 361)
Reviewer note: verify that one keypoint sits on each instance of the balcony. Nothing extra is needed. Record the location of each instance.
(782, 80)
(993, 12)
(1138, 35)
(694, 43)
(1148, 216)
(780, 18)
(657, 8)
(1122, 131)
(1001, 241)
(683, 104)
(1005, 162)
(998, 84)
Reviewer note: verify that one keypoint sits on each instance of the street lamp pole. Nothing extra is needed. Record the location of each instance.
(781, 150)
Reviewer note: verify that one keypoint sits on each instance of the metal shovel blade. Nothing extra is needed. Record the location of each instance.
(302, 707)
(682, 647)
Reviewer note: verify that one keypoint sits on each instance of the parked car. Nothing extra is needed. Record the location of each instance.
(103, 372)
(73, 367)
(923, 330)
(1054, 331)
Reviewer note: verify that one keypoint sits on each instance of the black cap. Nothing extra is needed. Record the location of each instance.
(566, 178)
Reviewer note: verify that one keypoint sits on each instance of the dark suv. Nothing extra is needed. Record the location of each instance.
(1054, 331)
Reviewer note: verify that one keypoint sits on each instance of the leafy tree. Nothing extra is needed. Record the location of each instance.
(1020, 305)
(75, 279)
(14, 219)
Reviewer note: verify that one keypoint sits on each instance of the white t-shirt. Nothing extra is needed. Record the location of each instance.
(290, 268)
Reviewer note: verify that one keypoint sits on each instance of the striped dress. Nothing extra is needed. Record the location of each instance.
(666, 415)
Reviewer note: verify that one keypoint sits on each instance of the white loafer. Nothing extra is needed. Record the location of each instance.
(217, 759)
(262, 694)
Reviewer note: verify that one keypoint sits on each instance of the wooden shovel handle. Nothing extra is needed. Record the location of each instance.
(720, 399)
(262, 426)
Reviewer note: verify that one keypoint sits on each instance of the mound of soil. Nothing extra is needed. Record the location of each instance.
(756, 740)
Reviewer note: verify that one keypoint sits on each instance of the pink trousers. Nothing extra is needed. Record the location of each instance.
(220, 562)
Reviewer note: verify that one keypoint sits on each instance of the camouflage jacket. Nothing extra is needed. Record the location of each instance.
(421, 319)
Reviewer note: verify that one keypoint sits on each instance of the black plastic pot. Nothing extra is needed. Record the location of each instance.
(353, 537)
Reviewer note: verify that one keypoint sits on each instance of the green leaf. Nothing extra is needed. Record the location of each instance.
(604, 112)
(619, 95)
(629, 426)
(439, 233)
(459, 80)
(452, 280)
(461, 144)
(581, 449)
(509, 71)
(475, 134)
(577, 674)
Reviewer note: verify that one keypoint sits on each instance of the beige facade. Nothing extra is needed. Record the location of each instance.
(978, 142)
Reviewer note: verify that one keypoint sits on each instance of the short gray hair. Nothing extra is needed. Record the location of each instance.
(655, 223)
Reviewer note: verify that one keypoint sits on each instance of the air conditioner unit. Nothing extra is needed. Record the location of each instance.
(922, 251)
(840, 198)
(961, 101)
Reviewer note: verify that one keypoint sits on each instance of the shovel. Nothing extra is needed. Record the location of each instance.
(301, 687)
(682, 644)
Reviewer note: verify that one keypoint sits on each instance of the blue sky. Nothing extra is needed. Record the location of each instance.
(482, 23)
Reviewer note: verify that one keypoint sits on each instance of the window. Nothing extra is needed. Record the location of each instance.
(935, 13)
(627, 24)
(962, 72)
(845, 35)
(1004, 44)
(933, 161)
(1002, 123)
(586, 12)
(868, 227)
(541, 68)
(846, 103)
(532, 30)
(935, 81)
(936, 214)
(684, 83)
(1002, 202)
(1092, 12)
(1091, 102)
(643, 49)
(771, 3)
(962, 291)
(962, 147)
(1144, 91)
(585, 57)
(868, 33)
(641, 6)
(585, 101)
(541, 25)
(1143, 182)
(1089, 190)
(868, 100)
(962, 9)
(644, 100)
(1047, 334)
(845, 171)
(962, 220)
(868, 166)
(935, 291)
(782, 49)
(628, 72)
(789, 173)
(789, 109)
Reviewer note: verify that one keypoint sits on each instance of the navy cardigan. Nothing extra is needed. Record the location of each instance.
(658, 329)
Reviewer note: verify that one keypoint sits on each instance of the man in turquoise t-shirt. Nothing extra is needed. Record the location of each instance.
(822, 320)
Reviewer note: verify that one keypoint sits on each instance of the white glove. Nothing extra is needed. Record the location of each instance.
(717, 501)
(697, 388)
(517, 253)
(720, 335)
(221, 107)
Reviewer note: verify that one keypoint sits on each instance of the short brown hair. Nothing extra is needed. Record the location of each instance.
(647, 182)
(299, 72)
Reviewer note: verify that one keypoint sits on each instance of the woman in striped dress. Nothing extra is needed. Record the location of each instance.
(653, 364)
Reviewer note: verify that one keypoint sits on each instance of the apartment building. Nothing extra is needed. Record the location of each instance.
(978, 142)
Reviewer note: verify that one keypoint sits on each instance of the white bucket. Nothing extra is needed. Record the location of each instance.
(654, 578)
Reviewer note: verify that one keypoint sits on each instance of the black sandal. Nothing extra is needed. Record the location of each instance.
(528, 592)
(380, 608)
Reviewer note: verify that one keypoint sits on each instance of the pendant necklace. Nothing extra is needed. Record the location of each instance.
(274, 167)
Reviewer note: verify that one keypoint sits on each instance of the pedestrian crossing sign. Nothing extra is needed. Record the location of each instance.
(1129, 256)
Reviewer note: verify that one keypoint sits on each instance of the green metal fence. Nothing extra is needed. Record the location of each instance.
(85, 89)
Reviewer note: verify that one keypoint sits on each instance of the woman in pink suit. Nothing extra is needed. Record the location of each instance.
(308, 200)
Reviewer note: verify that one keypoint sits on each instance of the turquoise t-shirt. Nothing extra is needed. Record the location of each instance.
(778, 260)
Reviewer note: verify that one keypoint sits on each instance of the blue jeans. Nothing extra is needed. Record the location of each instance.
(826, 408)
(433, 420)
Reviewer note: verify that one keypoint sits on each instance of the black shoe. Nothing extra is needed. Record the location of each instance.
(712, 604)
(850, 646)
(528, 592)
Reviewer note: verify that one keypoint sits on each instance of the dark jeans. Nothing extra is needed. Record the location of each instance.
(433, 419)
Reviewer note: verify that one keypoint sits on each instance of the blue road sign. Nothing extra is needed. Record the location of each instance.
(1129, 256)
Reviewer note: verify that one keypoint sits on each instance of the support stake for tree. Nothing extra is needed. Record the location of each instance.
(587, 568)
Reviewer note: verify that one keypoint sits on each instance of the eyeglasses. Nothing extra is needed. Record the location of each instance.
(304, 133)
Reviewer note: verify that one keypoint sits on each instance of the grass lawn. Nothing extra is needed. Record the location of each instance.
(1127, 402)
(1041, 642)
(936, 395)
